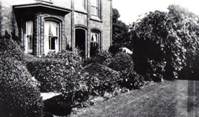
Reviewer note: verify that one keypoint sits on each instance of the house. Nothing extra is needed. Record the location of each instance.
(43, 26)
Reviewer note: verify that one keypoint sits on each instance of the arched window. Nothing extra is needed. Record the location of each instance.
(95, 42)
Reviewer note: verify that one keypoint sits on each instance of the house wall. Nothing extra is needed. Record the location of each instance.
(76, 18)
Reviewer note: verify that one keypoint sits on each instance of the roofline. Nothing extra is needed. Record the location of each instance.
(41, 5)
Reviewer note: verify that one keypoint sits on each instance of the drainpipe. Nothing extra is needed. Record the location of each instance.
(72, 26)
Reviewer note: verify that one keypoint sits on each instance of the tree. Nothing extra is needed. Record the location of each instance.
(120, 32)
(165, 42)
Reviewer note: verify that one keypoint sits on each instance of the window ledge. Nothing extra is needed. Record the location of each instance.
(95, 18)
(83, 11)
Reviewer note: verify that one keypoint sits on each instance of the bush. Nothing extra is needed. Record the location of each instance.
(103, 58)
(165, 42)
(9, 48)
(18, 96)
(123, 63)
(100, 79)
(114, 49)
(51, 73)
(69, 56)
(131, 80)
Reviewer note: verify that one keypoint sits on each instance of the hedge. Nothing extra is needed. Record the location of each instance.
(51, 73)
(19, 97)
(9, 48)
(69, 56)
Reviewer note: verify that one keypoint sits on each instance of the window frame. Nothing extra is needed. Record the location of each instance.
(49, 36)
(29, 41)
(98, 34)
(98, 9)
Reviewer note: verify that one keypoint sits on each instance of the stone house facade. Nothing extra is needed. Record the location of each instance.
(54, 25)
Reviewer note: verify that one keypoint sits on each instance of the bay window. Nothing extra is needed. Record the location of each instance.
(29, 37)
(51, 32)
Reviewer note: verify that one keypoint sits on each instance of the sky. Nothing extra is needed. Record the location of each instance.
(131, 10)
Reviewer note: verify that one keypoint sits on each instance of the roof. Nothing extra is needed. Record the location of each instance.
(41, 7)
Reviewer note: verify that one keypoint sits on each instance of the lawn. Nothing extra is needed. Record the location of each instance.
(166, 99)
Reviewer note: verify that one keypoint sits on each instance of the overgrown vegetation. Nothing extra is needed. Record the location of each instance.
(165, 42)
(165, 45)
(120, 33)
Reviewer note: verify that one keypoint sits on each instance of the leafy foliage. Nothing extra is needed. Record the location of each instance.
(68, 56)
(123, 63)
(51, 73)
(9, 48)
(101, 78)
(102, 57)
(163, 42)
(120, 32)
(19, 97)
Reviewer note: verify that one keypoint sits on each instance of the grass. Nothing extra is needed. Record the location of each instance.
(167, 99)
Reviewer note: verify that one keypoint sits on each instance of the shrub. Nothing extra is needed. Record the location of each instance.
(102, 57)
(18, 96)
(114, 49)
(131, 80)
(9, 48)
(100, 78)
(69, 56)
(123, 63)
(52, 73)
(165, 42)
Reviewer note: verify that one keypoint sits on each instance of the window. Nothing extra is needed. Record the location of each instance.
(51, 42)
(29, 37)
(95, 8)
(80, 5)
(95, 44)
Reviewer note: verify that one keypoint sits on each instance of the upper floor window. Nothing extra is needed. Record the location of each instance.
(96, 8)
(80, 5)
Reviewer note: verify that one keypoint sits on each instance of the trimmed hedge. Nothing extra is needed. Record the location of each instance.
(51, 73)
(19, 97)
(9, 48)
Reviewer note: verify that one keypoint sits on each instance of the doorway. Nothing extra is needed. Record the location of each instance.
(80, 38)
